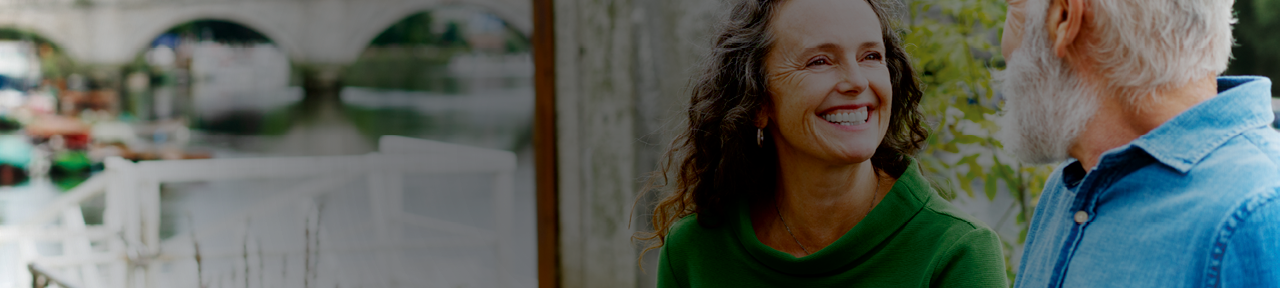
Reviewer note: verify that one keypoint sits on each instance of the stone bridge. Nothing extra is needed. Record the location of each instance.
(320, 36)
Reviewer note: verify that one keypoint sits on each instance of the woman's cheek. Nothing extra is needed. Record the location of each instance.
(797, 95)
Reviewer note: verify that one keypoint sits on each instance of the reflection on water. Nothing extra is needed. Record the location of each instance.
(486, 103)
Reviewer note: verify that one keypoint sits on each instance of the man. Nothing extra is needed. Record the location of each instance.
(1171, 175)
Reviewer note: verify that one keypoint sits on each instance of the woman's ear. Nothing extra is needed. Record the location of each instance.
(762, 116)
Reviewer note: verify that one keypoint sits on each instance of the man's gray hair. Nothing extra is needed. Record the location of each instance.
(1142, 46)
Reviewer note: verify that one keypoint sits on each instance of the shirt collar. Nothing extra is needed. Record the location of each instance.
(1242, 103)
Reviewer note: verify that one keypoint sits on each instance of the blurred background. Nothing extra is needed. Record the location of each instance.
(250, 145)
(287, 84)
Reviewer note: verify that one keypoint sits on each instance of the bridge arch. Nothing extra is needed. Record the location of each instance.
(335, 32)
(149, 30)
(51, 35)
(390, 15)
(9, 31)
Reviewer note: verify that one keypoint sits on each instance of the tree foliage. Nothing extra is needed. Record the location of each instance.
(413, 30)
(419, 30)
(219, 31)
(1257, 50)
(954, 44)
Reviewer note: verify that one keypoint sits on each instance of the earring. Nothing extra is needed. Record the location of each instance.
(760, 137)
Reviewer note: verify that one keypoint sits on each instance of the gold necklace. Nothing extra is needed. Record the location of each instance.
(870, 205)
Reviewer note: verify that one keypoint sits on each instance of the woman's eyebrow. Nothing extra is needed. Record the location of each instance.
(836, 47)
(821, 47)
(870, 45)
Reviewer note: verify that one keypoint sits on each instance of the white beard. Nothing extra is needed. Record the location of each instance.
(1046, 103)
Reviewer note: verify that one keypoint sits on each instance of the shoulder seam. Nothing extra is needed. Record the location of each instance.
(1256, 144)
(933, 196)
(679, 225)
(972, 226)
(953, 245)
(1229, 226)
(666, 257)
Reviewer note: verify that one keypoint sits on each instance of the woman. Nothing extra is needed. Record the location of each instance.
(794, 169)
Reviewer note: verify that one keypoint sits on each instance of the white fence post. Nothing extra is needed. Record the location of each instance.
(79, 247)
(149, 199)
(382, 208)
(123, 214)
(502, 205)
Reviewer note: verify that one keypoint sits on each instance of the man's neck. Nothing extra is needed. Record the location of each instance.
(1119, 121)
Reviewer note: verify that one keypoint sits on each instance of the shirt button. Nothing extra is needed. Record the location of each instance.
(1081, 217)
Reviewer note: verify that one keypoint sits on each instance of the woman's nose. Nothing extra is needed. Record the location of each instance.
(852, 81)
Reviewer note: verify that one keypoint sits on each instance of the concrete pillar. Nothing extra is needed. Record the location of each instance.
(321, 82)
(671, 36)
(595, 107)
(105, 76)
(622, 69)
(320, 126)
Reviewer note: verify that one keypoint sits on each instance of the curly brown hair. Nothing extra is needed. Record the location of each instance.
(716, 159)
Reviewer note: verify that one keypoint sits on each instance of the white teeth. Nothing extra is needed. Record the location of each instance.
(848, 117)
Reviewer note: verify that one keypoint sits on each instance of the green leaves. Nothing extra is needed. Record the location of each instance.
(1256, 41)
(954, 45)
(968, 139)
(990, 187)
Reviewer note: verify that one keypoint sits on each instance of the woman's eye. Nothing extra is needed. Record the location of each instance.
(874, 56)
(819, 61)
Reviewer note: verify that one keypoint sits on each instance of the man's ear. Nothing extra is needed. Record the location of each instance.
(1066, 17)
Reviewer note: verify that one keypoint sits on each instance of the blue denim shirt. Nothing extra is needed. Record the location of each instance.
(1193, 203)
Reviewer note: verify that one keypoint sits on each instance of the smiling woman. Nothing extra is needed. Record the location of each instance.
(795, 168)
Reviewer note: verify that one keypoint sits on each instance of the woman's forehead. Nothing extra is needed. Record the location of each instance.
(806, 24)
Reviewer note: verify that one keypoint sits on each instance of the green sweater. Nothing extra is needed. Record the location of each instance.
(913, 238)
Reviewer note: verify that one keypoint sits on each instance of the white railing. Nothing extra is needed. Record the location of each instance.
(126, 250)
(36, 3)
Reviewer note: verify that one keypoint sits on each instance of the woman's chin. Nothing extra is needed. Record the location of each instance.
(854, 155)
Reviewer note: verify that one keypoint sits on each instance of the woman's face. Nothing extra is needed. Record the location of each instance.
(828, 81)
